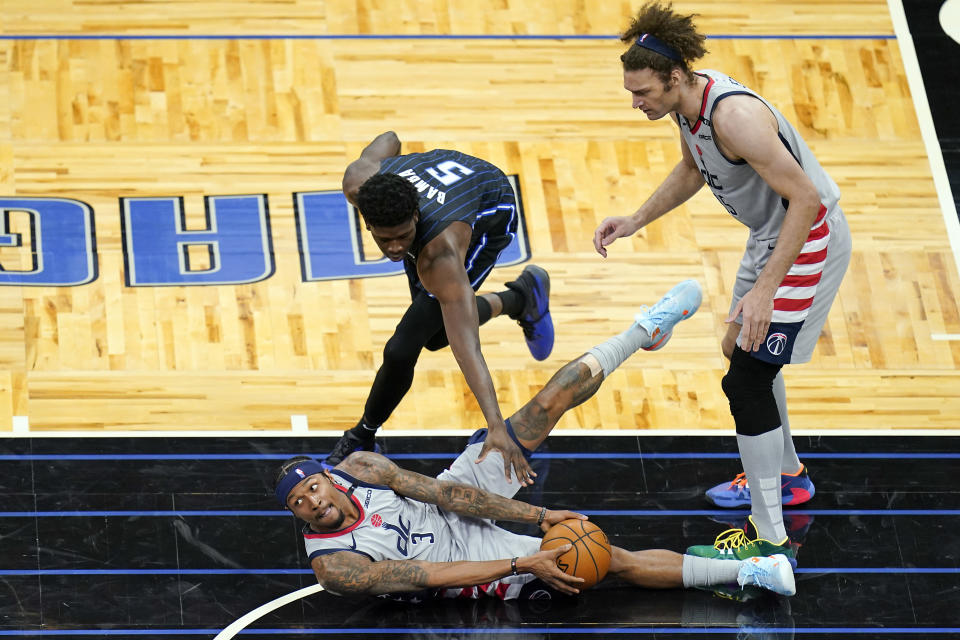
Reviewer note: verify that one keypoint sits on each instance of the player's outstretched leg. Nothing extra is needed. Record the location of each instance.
(578, 380)
(535, 319)
(662, 569)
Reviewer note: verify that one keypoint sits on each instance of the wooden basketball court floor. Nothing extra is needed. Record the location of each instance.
(102, 101)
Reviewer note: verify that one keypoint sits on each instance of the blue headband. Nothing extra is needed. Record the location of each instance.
(651, 42)
(295, 476)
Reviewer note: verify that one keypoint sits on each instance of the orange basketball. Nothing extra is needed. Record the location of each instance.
(590, 556)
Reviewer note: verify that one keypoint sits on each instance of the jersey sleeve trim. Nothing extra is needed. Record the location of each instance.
(703, 102)
(359, 483)
(326, 552)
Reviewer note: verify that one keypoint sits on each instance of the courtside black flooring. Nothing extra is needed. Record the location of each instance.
(160, 537)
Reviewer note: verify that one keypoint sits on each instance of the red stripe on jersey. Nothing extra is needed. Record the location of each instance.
(703, 105)
(802, 281)
(820, 232)
(502, 590)
(787, 304)
(820, 214)
(811, 258)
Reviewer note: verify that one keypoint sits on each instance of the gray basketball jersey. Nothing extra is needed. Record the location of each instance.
(749, 199)
(740, 189)
(392, 527)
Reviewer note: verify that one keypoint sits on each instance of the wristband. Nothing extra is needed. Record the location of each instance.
(513, 566)
(543, 513)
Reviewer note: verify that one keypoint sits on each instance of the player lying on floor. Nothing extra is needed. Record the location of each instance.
(374, 528)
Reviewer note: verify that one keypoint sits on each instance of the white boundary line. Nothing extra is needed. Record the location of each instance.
(646, 433)
(241, 623)
(945, 336)
(920, 104)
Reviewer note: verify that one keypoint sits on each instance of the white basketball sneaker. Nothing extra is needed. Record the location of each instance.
(658, 321)
(773, 573)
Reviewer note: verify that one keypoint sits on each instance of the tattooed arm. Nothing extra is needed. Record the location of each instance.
(347, 573)
(462, 499)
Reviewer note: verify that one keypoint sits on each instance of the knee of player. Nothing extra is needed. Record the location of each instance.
(748, 377)
(400, 352)
(727, 345)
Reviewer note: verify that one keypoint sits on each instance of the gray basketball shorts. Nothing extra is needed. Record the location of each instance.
(803, 301)
(485, 540)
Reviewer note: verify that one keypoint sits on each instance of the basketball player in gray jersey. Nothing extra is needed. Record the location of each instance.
(371, 527)
(447, 216)
(765, 176)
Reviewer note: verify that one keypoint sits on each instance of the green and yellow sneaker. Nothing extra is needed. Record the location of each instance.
(740, 544)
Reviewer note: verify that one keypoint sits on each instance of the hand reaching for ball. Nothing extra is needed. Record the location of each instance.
(556, 517)
(544, 566)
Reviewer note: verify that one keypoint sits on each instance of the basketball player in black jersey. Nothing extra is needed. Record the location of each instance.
(447, 216)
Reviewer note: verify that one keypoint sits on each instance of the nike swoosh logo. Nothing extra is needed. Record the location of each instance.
(354, 540)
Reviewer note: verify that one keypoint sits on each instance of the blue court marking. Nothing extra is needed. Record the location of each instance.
(426, 36)
(590, 512)
(286, 572)
(890, 455)
(588, 630)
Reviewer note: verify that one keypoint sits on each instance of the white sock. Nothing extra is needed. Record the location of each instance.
(704, 572)
(612, 353)
(761, 456)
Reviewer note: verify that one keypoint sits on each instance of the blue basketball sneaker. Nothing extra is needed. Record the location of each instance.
(795, 488)
(680, 303)
(535, 320)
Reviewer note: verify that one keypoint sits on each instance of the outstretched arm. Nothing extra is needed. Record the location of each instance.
(459, 498)
(442, 273)
(351, 573)
(678, 187)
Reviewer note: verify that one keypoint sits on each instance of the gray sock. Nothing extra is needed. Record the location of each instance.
(791, 463)
(761, 456)
(704, 572)
(613, 352)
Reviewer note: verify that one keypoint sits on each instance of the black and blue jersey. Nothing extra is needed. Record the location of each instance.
(456, 187)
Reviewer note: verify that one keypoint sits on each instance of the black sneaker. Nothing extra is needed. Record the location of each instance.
(535, 320)
(351, 441)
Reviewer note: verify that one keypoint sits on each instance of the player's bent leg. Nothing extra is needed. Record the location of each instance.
(578, 380)
(572, 385)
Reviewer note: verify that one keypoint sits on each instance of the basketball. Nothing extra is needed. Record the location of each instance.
(590, 556)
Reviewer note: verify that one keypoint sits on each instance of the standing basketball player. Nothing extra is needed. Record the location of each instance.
(766, 177)
(448, 216)
(374, 528)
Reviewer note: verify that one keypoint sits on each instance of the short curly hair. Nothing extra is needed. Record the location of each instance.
(676, 31)
(386, 200)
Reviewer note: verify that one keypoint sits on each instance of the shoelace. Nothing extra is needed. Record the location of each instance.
(527, 329)
(734, 539)
(731, 539)
(740, 481)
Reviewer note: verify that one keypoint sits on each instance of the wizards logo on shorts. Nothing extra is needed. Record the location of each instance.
(778, 347)
(776, 343)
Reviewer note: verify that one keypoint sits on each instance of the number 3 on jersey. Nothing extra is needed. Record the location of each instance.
(444, 172)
